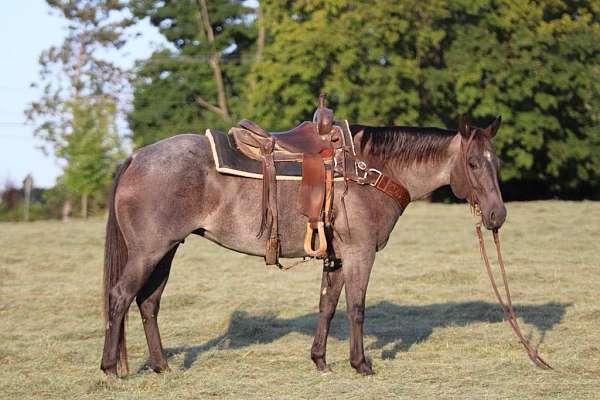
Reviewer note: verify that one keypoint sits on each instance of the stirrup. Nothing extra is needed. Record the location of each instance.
(321, 250)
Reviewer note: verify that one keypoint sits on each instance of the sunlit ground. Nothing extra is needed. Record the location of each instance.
(234, 328)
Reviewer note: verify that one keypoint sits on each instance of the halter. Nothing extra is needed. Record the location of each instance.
(507, 307)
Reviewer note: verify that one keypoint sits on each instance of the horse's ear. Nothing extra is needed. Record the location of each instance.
(464, 126)
(493, 128)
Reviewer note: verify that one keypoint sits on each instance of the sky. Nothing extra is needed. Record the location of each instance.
(26, 30)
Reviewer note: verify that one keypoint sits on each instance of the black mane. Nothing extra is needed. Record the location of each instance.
(404, 144)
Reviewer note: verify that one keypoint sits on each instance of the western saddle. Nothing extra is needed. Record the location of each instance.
(322, 148)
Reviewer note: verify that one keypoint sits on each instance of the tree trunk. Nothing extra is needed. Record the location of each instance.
(66, 210)
(260, 43)
(84, 205)
(213, 61)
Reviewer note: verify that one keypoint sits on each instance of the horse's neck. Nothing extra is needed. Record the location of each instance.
(422, 178)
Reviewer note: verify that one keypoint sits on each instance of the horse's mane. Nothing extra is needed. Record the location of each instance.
(404, 144)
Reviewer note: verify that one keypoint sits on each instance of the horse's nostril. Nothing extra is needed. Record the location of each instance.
(493, 216)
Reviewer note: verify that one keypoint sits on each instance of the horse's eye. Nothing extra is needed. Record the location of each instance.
(473, 163)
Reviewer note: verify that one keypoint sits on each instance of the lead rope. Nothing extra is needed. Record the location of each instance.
(507, 307)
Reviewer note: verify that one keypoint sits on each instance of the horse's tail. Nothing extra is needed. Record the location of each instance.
(115, 258)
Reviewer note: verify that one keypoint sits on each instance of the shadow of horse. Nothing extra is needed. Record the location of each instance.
(396, 327)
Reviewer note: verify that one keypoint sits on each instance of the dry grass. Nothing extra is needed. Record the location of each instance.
(235, 329)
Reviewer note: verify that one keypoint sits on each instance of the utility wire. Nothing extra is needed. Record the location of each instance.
(13, 136)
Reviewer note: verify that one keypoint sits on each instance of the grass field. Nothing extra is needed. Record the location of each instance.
(236, 329)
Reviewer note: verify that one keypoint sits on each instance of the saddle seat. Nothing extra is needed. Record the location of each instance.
(304, 138)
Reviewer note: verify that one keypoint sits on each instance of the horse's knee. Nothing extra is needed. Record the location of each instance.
(327, 308)
(148, 308)
(356, 314)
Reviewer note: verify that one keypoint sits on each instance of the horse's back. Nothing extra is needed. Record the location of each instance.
(175, 149)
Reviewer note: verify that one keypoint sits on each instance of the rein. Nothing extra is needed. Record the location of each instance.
(507, 307)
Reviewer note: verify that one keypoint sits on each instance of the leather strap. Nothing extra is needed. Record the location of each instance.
(388, 186)
(394, 189)
(379, 180)
(311, 194)
(506, 304)
(270, 218)
(328, 194)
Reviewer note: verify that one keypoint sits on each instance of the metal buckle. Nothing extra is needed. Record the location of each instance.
(373, 170)
(363, 179)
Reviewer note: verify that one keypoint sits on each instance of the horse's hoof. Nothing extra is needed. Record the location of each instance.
(161, 369)
(321, 364)
(364, 369)
(110, 371)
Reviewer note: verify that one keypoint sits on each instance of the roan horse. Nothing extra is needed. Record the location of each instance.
(168, 190)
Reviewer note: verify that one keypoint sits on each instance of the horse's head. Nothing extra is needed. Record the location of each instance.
(475, 173)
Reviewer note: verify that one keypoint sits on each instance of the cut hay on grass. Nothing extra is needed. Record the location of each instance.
(234, 328)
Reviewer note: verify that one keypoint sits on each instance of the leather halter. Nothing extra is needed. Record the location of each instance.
(471, 196)
(506, 305)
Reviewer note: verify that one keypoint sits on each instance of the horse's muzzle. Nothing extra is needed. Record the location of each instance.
(495, 217)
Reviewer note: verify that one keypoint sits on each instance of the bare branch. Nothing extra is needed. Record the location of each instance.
(203, 103)
(214, 58)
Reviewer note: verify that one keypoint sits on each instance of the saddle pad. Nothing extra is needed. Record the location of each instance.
(229, 160)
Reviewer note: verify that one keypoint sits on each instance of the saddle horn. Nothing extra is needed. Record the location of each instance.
(323, 117)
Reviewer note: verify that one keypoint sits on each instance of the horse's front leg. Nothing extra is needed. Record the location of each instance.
(331, 287)
(357, 269)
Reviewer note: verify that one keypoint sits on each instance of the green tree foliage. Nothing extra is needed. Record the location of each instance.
(75, 69)
(410, 62)
(12, 203)
(80, 90)
(427, 61)
(199, 81)
(92, 147)
(537, 64)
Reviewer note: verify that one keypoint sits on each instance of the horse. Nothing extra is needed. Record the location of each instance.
(170, 189)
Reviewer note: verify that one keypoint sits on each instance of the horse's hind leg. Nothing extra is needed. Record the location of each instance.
(135, 274)
(331, 287)
(148, 301)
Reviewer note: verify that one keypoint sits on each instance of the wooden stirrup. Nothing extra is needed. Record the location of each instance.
(321, 250)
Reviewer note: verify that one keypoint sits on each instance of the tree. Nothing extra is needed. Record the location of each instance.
(537, 65)
(92, 148)
(201, 82)
(427, 61)
(75, 80)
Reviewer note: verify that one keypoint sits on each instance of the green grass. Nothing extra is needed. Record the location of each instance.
(234, 328)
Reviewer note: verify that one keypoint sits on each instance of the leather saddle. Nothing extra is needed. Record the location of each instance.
(313, 144)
